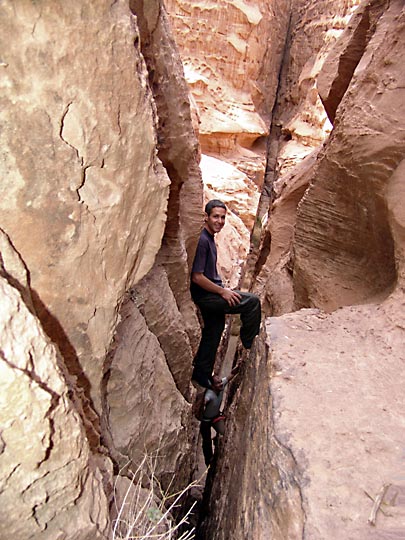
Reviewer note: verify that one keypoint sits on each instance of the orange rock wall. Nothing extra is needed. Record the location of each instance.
(300, 125)
(231, 53)
(355, 251)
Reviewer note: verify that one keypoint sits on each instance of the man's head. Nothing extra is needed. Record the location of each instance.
(214, 203)
(217, 384)
(215, 212)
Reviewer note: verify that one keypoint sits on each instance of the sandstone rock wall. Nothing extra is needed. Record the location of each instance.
(329, 393)
(144, 409)
(232, 53)
(100, 189)
(299, 121)
(354, 245)
(255, 491)
(180, 153)
(79, 168)
(52, 484)
(299, 127)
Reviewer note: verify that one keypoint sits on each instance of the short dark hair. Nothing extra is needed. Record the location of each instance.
(214, 203)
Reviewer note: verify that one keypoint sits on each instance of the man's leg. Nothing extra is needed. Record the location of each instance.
(205, 430)
(213, 309)
(214, 323)
(250, 315)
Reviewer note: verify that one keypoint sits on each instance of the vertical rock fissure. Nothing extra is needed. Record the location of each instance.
(364, 25)
(249, 460)
(270, 175)
(253, 264)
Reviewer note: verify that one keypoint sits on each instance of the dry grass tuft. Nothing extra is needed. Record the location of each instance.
(145, 513)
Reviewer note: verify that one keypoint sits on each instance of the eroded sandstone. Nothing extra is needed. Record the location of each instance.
(145, 411)
(85, 203)
(327, 405)
(352, 246)
(80, 168)
(255, 487)
(100, 211)
(336, 386)
(232, 53)
(52, 485)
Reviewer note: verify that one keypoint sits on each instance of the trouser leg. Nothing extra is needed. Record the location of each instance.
(213, 309)
(214, 323)
(205, 430)
(248, 308)
(250, 316)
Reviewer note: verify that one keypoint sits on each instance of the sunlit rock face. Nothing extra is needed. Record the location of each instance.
(231, 53)
(336, 385)
(301, 117)
(95, 213)
(342, 60)
(146, 385)
(52, 483)
(83, 195)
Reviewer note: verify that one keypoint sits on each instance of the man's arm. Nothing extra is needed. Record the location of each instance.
(233, 298)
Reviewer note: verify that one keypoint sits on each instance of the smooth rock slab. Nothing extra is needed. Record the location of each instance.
(83, 195)
(337, 388)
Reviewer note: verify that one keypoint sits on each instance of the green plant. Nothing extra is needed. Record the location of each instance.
(145, 513)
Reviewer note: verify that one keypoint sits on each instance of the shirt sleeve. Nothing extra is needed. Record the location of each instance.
(209, 396)
(200, 258)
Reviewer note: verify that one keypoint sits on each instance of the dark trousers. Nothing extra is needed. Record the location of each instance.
(213, 310)
(205, 430)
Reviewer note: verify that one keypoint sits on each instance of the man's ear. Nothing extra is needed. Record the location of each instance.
(205, 216)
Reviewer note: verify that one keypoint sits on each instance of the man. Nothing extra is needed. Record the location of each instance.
(211, 415)
(214, 300)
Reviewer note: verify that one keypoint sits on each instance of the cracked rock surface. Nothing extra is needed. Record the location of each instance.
(51, 486)
(79, 167)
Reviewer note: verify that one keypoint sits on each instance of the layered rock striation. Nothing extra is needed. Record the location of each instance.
(100, 211)
(231, 53)
(355, 176)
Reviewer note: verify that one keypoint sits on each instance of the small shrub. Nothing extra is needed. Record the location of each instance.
(145, 513)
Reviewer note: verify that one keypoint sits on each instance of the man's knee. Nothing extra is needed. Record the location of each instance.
(252, 301)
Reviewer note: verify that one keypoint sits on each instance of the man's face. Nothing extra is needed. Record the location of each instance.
(216, 220)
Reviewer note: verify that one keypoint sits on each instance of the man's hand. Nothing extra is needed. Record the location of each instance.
(233, 298)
